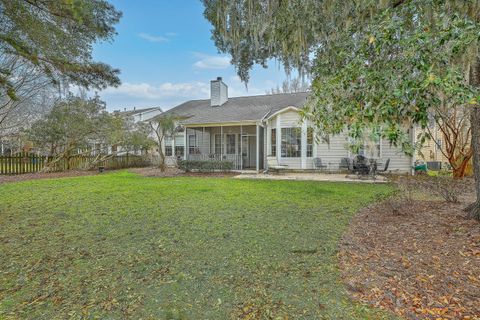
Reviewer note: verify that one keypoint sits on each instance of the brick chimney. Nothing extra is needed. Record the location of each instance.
(218, 92)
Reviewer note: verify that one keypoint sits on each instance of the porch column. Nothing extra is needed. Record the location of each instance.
(279, 138)
(185, 143)
(257, 136)
(304, 145)
(222, 143)
(241, 147)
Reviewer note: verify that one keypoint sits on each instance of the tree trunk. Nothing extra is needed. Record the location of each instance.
(474, 209)
(459, 166)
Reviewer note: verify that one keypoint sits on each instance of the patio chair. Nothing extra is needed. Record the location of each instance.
(360, 165)
(272, 164)
(318, 165)
(346, 164)
(385, 168)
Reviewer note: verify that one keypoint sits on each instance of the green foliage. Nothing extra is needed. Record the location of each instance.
(57, 37)
(205, 165)
(394, 72)
(77, 123)
(121, 246)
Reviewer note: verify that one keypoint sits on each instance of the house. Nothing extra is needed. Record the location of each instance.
(247, 130)
(139, 115)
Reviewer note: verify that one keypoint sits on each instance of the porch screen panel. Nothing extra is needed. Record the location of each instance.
(231, 143)
(291, 142)
(218, 143)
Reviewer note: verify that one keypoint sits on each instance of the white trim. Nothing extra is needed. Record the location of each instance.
(278, 136)
(303, 150)
(290, 108)
(257, 165)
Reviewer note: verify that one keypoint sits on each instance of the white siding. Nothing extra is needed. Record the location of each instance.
(330, 153)
(399, 162)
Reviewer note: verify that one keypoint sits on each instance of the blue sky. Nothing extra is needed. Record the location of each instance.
(166, 56)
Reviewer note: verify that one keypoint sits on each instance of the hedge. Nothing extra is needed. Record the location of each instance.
(205, 166)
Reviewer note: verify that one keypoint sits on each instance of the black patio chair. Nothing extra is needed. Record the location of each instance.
(318, 165)
(385, 168)
(346, 164)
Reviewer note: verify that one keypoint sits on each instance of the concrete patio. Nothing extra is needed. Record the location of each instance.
(312, 176)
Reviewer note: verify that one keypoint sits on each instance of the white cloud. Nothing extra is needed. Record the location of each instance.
(152, 38)
(191, 90)
(213, 62)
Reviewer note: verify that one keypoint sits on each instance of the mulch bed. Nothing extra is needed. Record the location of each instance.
(424, 264)
(45, 175)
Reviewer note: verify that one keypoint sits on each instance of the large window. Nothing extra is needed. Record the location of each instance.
(310, 142)
(179, 146)
(291, 142)
(230, 144)
(218, 144)
(273, 142)
(168, 146)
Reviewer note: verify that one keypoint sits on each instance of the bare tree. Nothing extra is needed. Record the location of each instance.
(291, 86)
(163, 127)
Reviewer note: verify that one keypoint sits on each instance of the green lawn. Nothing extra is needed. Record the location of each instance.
(121, 246)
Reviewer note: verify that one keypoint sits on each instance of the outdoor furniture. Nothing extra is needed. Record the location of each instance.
(346, 164)
(273, 164)
(385, 168)
(360, 165)
(318, 165)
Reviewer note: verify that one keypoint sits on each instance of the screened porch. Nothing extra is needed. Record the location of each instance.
(237, 144)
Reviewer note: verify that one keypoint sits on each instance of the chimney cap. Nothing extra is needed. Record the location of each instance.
(219, 78)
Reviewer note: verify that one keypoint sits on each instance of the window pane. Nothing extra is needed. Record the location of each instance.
(309, 142)
(179, 150)
(273, 142)
(291, 142)
(168, 151)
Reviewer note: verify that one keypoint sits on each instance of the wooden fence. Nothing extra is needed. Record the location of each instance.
(31, 163)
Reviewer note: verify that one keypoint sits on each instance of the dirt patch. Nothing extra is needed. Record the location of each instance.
(175, 172)
(45, 175)
(421, 265)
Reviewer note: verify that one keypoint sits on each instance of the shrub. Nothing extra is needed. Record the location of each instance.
(205, 166)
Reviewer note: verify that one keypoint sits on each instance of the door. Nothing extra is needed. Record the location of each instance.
(249, 152)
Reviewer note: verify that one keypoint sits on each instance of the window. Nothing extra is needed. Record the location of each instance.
(192, 144)
(218, 144)
(273, 142)
(179, 146)
(168, 146)
(310, 142)
(230, 144)
(291, 142)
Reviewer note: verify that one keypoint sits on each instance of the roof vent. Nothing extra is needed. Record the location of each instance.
(218, 92)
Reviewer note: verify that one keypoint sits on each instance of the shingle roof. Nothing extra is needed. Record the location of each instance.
(137, 111)
(252, 108)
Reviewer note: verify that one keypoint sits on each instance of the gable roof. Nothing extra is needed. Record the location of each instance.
(237, 109)
(137, 111)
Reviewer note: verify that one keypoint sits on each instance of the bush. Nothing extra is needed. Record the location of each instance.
(205, 166)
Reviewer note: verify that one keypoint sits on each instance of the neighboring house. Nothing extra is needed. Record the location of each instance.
(247, 130)
(138, 115)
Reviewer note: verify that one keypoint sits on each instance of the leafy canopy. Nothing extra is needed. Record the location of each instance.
(378, 66)
(57, 37)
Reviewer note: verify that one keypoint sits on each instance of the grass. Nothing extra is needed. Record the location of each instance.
(120, 246)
